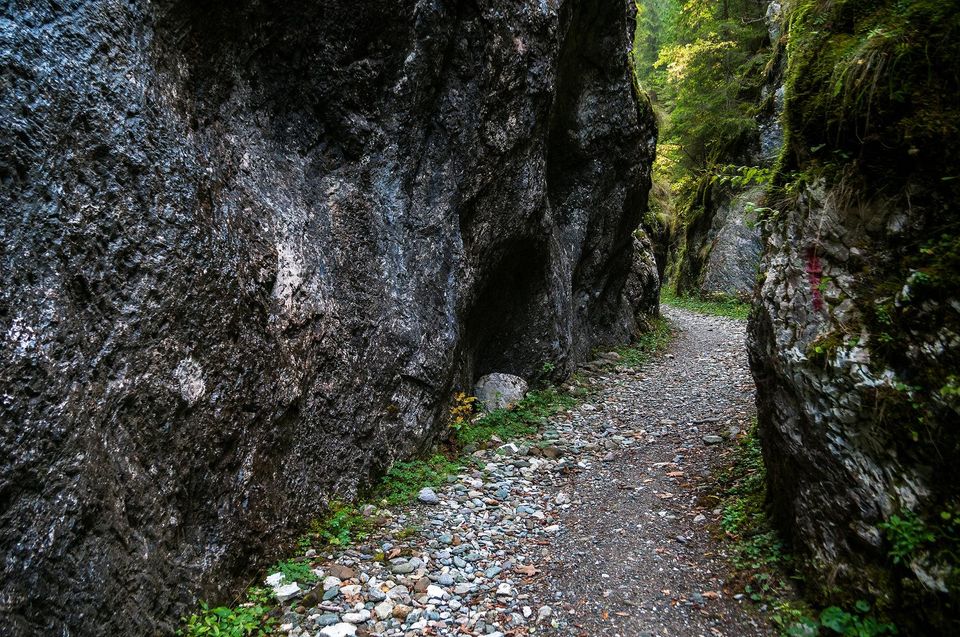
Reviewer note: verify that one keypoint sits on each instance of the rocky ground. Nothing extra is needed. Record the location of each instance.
(599, 528)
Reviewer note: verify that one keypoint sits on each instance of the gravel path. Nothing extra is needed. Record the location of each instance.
(594, 530)
(635, 558)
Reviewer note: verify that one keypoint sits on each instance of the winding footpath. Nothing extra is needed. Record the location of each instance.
(600, 528)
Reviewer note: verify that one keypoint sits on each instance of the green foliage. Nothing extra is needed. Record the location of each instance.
(343, 524)
(646, 344)
(407, 532)
(405, 479)
(702, 64)
(242, 621)
(866, 69)
(742, 176)
(523, 419)
(756, 545)
(719, 306)
(294, 571)
(759, 554)
(837, 621)
(907, 533)
(935, 539)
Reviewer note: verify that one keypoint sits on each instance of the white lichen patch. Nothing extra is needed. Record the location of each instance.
(189, 377)
(289, 275)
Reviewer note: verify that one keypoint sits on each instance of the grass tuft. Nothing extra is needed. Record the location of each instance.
(646, 345)
(719, 306)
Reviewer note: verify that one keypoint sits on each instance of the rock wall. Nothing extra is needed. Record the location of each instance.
(855, 338)
(249, 250)
(734, 247)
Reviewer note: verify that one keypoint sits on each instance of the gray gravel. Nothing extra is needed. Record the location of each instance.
(635, 557)
(594, 529)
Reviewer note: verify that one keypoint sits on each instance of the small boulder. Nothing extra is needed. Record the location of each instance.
(499, 391)
(287, 592)
(428, 496)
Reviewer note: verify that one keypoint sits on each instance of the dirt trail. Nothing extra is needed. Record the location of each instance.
(634, 557)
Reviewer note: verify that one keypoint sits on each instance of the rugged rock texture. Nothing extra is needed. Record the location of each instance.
(721, 246)
(855, 339)
(735, 247)
(249, 250)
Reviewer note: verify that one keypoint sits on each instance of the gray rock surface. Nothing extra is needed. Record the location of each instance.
(497, 391)
(735, 247)
(855, 337)
(847, 437)
(250, 249)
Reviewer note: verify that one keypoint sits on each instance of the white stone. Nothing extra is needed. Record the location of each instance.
(350, 591)
(342, 629)
(274, 580)
(331, 581)
(356, 618)
(384, 609)
(498, 391)
(286, 592)
(434, 591)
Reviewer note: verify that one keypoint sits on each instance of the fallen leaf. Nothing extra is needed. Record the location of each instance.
(711, 594)
(604, 615)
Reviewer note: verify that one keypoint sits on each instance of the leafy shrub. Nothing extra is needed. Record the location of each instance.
(461, 410)
(242, 621)
(294, 571)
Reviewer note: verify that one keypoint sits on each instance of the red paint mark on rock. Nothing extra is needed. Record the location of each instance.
(814, 276)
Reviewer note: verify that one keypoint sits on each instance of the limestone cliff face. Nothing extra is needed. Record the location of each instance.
(855, 338)
(249, 250)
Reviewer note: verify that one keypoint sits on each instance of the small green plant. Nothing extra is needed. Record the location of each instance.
(743, 176)
(242, 621)
(407, 532)
(343, 525)
(911, 537)
(856, 624)
(646, 345)
(294, 570)
(796, 620)
(523, 419)
(548, 368)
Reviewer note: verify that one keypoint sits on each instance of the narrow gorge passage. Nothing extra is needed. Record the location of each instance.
(605, 533)
(635, 556)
